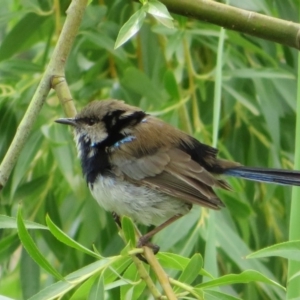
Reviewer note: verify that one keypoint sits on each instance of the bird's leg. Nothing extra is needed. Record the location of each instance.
(144, 240)
(117, 219)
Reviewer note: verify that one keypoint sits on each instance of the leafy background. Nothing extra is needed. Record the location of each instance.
(170, 72)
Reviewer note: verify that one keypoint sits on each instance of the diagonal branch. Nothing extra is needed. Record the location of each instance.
(55, 67)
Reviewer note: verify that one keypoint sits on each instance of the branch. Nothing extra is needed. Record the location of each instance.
(160, 273)
(262, 26)
(55, 67)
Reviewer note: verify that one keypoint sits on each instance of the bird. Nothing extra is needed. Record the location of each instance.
(139, 166)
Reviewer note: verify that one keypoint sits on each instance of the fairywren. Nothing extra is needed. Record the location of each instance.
(139, 166)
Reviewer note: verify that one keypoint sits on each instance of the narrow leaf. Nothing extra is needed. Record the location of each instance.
(11, 222)
(20, 34)
(289, 250)
(216, 295)
(62, 237)
(160, 13)
(98, 290)
(32, 249)
(30, 284)
(192, 269)
(129, 231)
(244, 277)
(131, 27)
(158, 9)
(59, 288)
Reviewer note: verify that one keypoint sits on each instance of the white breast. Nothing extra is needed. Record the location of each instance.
(142, 204)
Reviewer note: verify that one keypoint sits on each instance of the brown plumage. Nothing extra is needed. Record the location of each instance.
(140, 166)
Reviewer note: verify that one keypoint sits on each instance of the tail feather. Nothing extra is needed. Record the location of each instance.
(285, 177)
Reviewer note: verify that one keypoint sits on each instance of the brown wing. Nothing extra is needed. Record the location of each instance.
(173, 172)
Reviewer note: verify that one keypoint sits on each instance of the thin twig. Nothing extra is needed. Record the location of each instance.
(63, 93)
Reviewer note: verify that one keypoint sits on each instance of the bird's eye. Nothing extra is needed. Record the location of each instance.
(91, 121)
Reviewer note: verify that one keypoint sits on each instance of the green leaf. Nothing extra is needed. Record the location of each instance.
(172, 261)
(31, 148)
(216, 295)
(134, 286)
(159, 11)
(11, 222)
(32, 249)
(244, 277)
(72, 280)
(8, 245)
(171, 85)
(137, 81)
(129, 231)
(243, 99)
(192, 269)
(84, 289)
(30, 284)
(5, 298)
(98, 290)
(62, 237)
(116, 268)
(20, 34)
(289, 250)
(177, 262)
(131, 27)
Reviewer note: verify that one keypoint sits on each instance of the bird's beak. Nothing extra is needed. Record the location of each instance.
(66, 121)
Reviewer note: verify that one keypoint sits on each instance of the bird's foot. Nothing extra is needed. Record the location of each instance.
(144, 241)
(117, 219)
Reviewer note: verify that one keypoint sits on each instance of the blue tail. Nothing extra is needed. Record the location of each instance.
(285, 177)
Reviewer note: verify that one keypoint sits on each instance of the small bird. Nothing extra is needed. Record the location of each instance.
(139, 166)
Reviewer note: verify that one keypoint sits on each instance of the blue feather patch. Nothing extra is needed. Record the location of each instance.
(126, 139)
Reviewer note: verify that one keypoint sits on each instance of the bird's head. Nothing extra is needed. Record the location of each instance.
(101, 124)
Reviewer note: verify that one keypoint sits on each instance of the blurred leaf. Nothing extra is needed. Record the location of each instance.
(72, 280)
(172, 261)
(116, 269)
(140, 83)
(260, 73)
(129, 231)
(32, 249)
(245, 277)
(31, 148)
(171, 85)
(11, 222)
(135, 285)
(105, 42)
(5, 298)
(191, 271)
(131, 27)
(30, 284)
(62, 237)
(21, 32)
(247, 103)
(159, 11)
(31, 189)
(216, 295)
(97, 291)
(8, 245)
(289, 250)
